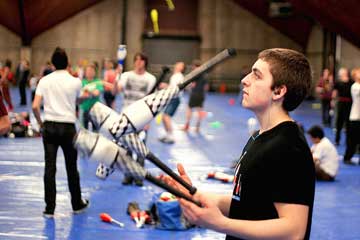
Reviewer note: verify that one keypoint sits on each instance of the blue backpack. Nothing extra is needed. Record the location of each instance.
(168, 214)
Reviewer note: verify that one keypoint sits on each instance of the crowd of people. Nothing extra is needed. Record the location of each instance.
(279, 81)
(340, 98)
(65, 94)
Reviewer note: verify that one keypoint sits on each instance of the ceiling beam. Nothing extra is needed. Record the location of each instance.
(341, 17)
(25, 39)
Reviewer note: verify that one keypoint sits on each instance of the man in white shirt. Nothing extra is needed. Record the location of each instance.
(59, 91)
(325, 155)
(170, 110)
(135, 85)
(353, 133)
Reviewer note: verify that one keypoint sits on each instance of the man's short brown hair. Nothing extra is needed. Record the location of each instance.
(143, 57)
(291, 69)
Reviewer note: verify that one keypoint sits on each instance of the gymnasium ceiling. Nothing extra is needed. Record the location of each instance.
(338, 16)
(29, 18)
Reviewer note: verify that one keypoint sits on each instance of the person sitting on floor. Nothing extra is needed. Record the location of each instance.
(325, 155)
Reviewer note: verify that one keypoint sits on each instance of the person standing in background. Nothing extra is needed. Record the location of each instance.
(22, 75)
(324, 88)
(197, 98)
(135, 85)
(170, 110)
(353, 133)
(48, 68)
(6, 77)
(59, 91)
(109, 83)
(342, 95)
(92, 87)
(33, 84)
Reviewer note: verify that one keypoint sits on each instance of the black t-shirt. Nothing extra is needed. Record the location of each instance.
(275, 166)
(343, 88)
(199, 88)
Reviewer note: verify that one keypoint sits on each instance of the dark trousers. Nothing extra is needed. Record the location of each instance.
(86, 119)
(33, 95)
(55, 135)
(109, 98)
(325, 107)
(352, 139)
(321, 175)
(22, 89)
(343, 112)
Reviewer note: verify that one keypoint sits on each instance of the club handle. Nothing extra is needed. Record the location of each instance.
(169, 188)
(220, 57)
(120, 224)
(151, 157)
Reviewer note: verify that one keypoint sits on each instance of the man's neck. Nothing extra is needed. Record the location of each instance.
(139, 71)
(271, 118)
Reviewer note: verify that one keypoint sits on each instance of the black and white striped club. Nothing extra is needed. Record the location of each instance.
(132, 142)
(100, 149)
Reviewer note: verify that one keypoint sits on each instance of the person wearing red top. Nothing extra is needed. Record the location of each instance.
(4, 118)
(109, 80)
(6, 77)
(324, 89)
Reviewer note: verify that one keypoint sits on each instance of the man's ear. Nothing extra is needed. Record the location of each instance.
(280, 91)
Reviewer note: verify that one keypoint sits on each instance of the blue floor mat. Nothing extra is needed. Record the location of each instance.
(223, 135)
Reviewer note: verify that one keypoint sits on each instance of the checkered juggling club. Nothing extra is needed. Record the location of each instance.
(132, 142)
(98, 148)
(137, 115)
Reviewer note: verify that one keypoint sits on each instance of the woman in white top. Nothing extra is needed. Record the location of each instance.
(353, 134)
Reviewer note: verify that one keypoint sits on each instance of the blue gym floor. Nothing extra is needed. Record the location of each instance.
(223, 135)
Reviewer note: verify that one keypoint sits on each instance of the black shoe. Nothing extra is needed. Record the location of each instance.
(166, 140)
(84, 205)
(48, 214)
(139, 182)
(127, 180)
